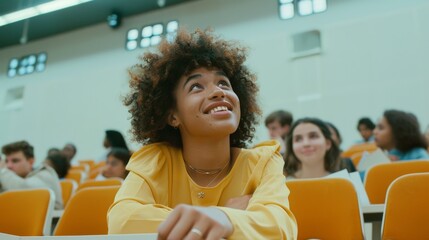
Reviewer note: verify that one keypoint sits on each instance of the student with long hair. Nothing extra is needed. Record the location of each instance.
(398, 133)
(311, 151)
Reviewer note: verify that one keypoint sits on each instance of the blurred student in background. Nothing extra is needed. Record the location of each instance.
(336, 137)
(116, 162)
(312, 153)
(59, 163)
(398, 133)
(17, 171)
(69, 151)
(112, 139)
(278, 124)
(366, 129)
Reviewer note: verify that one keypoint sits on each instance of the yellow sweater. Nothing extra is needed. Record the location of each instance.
(158, 181)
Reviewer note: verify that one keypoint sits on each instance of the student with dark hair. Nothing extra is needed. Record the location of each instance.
(113, 139)
(193, 106)
(366, 129)
(20, 174)
(278, 124)
(117, 160)
(69, 151)
(398, 132)
(312, 153)
(53, 151)
(59, 163)
(346, 163)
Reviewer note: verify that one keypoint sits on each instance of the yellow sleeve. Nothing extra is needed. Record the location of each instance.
(268, 215)
(134, 209)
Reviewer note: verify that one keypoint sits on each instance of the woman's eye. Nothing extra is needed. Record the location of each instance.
(195, 86)
(314, 135)
(224, 83)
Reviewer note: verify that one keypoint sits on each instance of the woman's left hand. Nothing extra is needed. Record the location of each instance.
(189, 222)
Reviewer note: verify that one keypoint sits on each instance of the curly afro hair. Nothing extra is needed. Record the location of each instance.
(152, 84)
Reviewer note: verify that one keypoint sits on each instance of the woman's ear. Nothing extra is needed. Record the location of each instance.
(173, 120)
(328, 144)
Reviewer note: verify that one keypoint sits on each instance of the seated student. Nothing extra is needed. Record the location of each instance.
(19, 172)
(113, 139)
(193, 105)
(311, 151)
(59, 163)
(366, 129)
(398, 133)
(116, 161)
(53, 151)
(69, 151)
(346, 163)
(278, 124)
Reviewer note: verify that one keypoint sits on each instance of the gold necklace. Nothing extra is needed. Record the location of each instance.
(205, 172)
(201, 194)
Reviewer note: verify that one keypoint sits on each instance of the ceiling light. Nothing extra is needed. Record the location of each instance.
(38, 10)
(172, 26)
(114, 20)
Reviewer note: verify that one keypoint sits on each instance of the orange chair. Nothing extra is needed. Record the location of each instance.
(362, 147)
(86, 212)
(90, 163)
(76, 175)
(325, 208)
(84, 168)
(100, 183)
(406, 214)
(26, 212)
(379, 177)
(68, 187)
(95, 171)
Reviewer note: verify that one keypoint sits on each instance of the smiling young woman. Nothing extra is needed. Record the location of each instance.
(313, 153)
(193, 106)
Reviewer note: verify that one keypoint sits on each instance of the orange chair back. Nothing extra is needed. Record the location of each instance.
(94, 173)
(26, 212)
(83, 168)
(100, 183)
(68, 186)
(406, 213)
(86, 212)
(97, 168)
(362, 147)
(379, 177)
(87, 161)
(325, 208)
(76, 175)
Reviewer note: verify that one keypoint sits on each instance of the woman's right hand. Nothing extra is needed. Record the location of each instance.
(190, 222)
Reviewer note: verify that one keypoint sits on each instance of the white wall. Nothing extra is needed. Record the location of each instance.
(373, 58)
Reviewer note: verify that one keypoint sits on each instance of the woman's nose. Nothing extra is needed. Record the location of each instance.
(217, 92)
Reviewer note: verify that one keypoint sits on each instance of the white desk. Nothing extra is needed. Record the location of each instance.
(57, 213)
(149, 236)
(374, 214)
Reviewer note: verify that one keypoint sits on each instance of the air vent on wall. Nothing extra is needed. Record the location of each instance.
(14, 98)
(306, 44)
